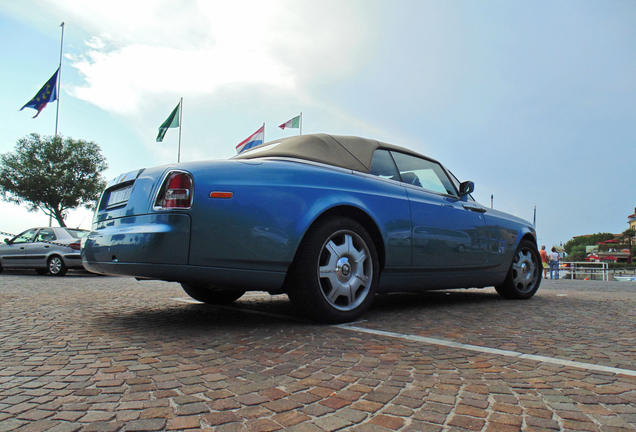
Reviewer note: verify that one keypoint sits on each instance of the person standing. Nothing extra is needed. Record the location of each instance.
(544, 261)
(554, 264)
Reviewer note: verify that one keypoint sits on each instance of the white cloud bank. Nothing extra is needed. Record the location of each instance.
(141, 49)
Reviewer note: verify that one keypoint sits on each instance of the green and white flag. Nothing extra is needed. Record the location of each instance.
(171, 122)
(293, 123)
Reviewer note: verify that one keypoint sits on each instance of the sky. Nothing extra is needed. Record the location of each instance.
(534, 101)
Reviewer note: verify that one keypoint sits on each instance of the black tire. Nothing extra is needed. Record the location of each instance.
(1, 269)
(211, 294)
(42, 271)
(336, 271)
(524, 276)
(56, 266)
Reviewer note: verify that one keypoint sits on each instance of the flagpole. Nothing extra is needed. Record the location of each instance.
(180, 126)
(59, 81)
(301, 123)
(264, 133)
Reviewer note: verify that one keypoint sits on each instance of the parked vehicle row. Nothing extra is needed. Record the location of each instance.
(50, 250)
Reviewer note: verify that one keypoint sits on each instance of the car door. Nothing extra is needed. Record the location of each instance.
(13, 253)
(446, 230)
(37, 251)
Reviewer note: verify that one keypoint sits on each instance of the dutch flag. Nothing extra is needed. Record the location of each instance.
(252, 141)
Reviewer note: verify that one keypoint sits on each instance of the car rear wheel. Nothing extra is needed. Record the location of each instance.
(56, 266)
(336, 271)
(211, 294)
(524, 276)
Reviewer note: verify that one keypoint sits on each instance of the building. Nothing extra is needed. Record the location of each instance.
(631, 220)
(610, 256)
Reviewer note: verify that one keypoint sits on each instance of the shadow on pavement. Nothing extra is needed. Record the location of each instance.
(274, 313)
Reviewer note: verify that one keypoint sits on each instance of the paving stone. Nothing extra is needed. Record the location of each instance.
(282, 405)
(157, 413)
(389, 422)
(542, 423)
(65, 427)
(97, 416)
(397, 410)
(219, 418)
(103, 427)
(290, 418)
(332, 423)
(263, 425)
(417, 426)
(252, 399)
(34, 415)
(184, 422)
(192, 408)
(11, 424)
(253, 412)
(146, 425)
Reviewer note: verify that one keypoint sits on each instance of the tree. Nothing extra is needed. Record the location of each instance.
(575, 248)
(52, 174)
(628, 237)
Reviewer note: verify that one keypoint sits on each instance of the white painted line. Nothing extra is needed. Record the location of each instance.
(442, 342)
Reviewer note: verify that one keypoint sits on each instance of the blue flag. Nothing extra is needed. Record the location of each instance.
(48, 93)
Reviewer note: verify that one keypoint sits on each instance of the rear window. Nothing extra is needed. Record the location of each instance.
(75, 233)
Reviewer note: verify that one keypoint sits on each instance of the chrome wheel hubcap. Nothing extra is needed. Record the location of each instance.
(345, 270)
(55, 265)
(525, 271)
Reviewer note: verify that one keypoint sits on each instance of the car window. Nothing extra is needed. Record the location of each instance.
(423, 173)
(46, 234)
(383, 166)
(25, 237)
(76, 233)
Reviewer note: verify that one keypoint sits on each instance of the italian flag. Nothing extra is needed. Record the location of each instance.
(293, 123)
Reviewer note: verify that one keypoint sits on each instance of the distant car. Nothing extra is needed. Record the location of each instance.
(329, 220)
(51, 250)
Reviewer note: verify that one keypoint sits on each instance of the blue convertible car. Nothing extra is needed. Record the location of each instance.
(329, 220)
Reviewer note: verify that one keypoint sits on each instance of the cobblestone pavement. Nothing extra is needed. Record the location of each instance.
(93, 353)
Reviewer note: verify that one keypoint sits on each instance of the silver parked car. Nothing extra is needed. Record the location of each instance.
(51, 250)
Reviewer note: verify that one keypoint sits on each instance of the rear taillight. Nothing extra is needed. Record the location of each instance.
(76, 246)
(176, 192)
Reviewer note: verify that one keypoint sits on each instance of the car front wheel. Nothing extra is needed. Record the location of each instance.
(211, 294)
(336, 272)
(56, 266)
(524, 276)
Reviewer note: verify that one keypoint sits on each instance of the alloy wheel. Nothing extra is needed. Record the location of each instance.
(345, 271)
(525, 271)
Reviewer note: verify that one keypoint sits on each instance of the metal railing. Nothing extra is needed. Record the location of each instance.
(581, 270)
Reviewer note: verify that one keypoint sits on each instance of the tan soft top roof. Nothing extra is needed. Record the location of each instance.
(342, 151)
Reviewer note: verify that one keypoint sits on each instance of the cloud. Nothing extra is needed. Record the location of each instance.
(153, 49)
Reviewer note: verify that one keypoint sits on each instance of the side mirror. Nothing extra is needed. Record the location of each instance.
(466, 188)
(7, 241)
